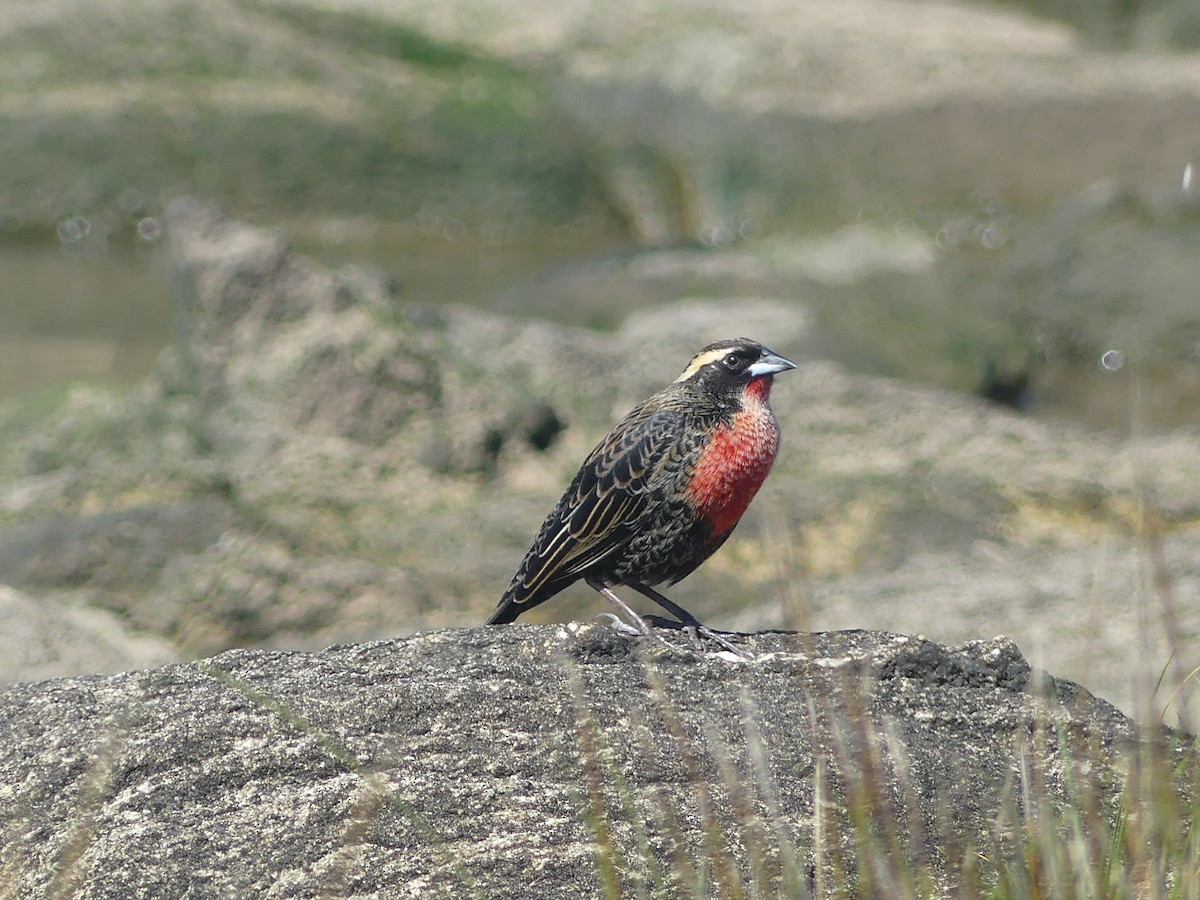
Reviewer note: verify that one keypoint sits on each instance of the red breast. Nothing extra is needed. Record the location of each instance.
(736, 461)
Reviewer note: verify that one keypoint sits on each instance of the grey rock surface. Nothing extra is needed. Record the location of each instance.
(348, 469)
(123, 549)
(471, 762)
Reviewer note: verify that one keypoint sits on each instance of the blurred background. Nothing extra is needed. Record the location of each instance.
(1015, 172)
(997, 199)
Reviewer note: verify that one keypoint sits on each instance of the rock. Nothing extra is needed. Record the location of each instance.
(366, 475)
(486, 762)
(1109, 270)
(121, 549)
(284, 347)
(282, 341)
(57, 635)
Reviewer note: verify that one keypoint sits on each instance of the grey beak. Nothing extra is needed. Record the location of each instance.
(770, 364)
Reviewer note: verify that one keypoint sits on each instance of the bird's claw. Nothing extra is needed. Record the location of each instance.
(697, 630)
(686, 621)
(620, 625)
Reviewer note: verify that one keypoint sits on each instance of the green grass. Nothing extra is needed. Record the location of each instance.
(290, 110)
(389, 39)
(248, 160)
(22, 416)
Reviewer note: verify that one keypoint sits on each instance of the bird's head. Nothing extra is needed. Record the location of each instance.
(732, 366)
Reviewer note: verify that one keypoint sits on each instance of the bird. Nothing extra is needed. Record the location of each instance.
(662, 491)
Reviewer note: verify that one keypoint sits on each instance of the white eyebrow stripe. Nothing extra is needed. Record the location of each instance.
(700, 360)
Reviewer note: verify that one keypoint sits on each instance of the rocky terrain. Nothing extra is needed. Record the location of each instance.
(332, 454)
(555, 761)
(318, 462)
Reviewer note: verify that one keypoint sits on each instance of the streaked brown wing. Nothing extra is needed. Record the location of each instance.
(600, 510)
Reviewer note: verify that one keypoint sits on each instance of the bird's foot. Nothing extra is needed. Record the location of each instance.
(638, 622)
(689, 622)
(686, 621)
(641, 629)
(619, 625)
(695, 631)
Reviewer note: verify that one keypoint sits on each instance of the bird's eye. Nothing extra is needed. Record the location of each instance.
(733, 361)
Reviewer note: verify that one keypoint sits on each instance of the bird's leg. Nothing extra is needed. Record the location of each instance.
(633, 617)
(690, 622)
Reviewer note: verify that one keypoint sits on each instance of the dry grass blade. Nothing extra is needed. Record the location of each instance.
(608, 863)
(70, 869)
(1150, 530)
(725, 875)
(793, 881)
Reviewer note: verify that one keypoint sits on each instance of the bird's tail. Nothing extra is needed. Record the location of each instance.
(506, 612)
(511, 605)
